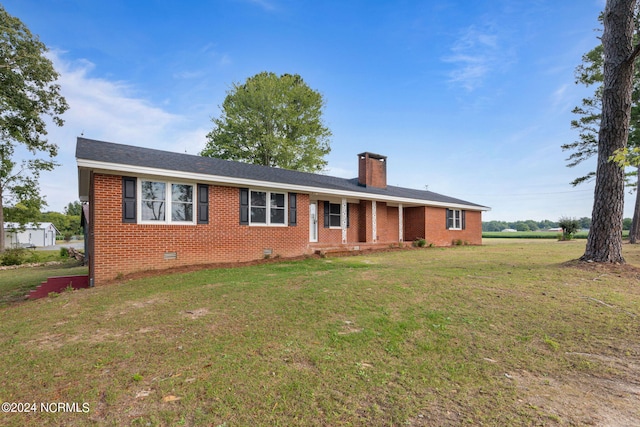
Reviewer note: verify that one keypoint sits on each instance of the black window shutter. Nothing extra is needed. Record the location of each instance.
(293, 209)
(464, 219)
(129, 191)
(326, 215)
(244, 206)
(203, 204)
(448, 219)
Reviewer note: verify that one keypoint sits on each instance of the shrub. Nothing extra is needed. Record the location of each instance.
(459, 242)
(420, 243)
(32, 256)
(13, 256)
(64, 252)
(569, 227)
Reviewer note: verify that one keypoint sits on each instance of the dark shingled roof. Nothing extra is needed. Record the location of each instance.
(88, 149)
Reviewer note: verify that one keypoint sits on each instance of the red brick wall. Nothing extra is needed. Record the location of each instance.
(125, 248)
(334, 235)
(386, 222)
(119, 248)
(413, 222)
(473, 231)
(436, 231)
(362, 170)
(372, 172)
(389, 233)
(364, 233)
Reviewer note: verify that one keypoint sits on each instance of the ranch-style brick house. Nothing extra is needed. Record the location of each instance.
(152, 209)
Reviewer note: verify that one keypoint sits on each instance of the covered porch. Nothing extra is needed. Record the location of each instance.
(345, 225)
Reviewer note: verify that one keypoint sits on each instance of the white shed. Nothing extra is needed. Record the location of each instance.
(42, 234)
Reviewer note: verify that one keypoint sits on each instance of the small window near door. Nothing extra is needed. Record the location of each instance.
(333, 215)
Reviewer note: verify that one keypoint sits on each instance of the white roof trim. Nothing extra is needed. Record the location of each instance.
(244, 182)
(30, 226)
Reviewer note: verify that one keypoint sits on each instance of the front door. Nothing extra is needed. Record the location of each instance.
(313, 222)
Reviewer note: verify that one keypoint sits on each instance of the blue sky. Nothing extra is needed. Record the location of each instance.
(470, 98)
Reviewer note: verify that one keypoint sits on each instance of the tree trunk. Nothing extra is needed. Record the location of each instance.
(604, 243)
(634, 233)
(2, 236)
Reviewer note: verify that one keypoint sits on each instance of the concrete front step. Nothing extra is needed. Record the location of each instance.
(336, 249)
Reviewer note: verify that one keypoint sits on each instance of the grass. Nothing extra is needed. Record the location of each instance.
(16, 283)
(502, 334)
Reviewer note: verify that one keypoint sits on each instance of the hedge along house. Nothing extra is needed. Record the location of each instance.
(151, 209)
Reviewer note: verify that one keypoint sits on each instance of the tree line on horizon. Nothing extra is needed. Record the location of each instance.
(531, 225)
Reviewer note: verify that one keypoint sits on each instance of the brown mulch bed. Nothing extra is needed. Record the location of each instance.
(622, 270)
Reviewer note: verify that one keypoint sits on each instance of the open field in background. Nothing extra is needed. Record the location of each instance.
(536, 235)
(503, 334)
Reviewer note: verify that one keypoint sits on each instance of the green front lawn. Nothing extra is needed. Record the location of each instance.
(502, 334)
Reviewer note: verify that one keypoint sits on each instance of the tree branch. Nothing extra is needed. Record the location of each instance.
(634, 53)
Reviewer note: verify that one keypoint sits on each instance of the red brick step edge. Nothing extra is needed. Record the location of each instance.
(59, 284)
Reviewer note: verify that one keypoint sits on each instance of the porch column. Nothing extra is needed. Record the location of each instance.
(374, 221)
(343, 220)
(400, 224)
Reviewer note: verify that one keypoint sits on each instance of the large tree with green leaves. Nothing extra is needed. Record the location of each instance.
(590, 73)
(604, 243)
(73, 208)
(274, 121)
(28, 93)
(588, 122)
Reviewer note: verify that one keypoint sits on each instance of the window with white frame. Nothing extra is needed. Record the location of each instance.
(455, 219)
(267, 208)
(334, 214)
(181, 203)
(166, 202)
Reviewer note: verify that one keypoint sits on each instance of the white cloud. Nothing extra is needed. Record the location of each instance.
(475, 54)
(561, 99)
(110, 111)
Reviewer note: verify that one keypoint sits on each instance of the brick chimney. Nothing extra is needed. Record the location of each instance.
(372, 170)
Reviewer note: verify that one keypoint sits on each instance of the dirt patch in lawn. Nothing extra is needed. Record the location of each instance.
(603, 400)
